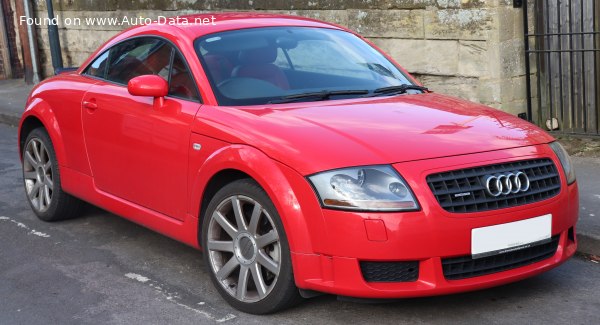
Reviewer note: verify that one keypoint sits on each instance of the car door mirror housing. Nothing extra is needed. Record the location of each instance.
(150, 86)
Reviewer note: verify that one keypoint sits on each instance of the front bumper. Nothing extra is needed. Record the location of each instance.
(427, 236)
(343, 276)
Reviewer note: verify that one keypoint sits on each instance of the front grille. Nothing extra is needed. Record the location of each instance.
(390, 271)
(463, 190)
(466, 267)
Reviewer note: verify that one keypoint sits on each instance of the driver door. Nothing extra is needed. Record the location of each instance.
(138, 152)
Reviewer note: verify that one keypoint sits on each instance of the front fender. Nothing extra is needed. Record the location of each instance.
(39, 109)
(279, 181)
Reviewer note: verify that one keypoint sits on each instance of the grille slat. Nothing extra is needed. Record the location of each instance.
(541, 178)
(521, 195)
(459, 190)
(463, 267)
(479, 171)
(542, 173)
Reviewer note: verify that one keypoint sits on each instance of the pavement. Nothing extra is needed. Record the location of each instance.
(103, 269)
(13, 94)
(588, 226)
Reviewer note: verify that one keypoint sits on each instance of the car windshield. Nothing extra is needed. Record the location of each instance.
(283, 64)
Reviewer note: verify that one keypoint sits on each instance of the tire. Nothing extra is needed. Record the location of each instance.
(257, 256)
(41, 177)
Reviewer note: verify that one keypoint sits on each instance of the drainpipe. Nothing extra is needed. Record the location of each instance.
(55, 51)
(36, 73)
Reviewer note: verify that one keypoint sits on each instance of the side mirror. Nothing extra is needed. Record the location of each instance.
(150, 86)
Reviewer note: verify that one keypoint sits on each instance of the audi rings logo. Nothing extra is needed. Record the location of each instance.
(506, 183)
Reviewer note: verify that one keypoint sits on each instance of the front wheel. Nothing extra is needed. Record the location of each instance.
(246, 250)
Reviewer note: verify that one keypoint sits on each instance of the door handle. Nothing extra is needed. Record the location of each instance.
(91, 105)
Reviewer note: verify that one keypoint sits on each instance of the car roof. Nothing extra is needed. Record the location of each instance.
(190, 24)
(224, 21)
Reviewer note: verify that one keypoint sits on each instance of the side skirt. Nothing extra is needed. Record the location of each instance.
(82, 186)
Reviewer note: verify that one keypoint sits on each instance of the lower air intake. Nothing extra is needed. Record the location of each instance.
(390, 271)
(463, 267)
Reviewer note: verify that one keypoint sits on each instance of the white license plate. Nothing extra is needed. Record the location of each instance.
(511, 236)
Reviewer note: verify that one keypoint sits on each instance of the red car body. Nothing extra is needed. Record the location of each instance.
(121, 163)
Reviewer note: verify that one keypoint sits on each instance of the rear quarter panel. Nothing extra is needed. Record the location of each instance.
(57, 104)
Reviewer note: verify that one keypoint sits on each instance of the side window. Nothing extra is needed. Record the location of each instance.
(98, 67)
(140, 56)
(182, 85)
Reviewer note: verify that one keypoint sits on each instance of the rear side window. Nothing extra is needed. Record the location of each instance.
(141, 56)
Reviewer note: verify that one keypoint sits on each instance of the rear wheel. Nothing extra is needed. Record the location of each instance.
(246, 250)
(41, 177)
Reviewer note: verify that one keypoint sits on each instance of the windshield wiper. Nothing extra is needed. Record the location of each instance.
(400, 89)
(319, 95)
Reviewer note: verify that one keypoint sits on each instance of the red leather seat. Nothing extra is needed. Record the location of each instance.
(258, 64)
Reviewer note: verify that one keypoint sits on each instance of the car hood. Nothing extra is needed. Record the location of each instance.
(317, 136)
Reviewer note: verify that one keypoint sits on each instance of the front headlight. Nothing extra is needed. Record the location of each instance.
(370, 188)
(565, 161)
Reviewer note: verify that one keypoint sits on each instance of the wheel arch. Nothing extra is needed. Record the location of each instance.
(216, 182)
(29, 124)
(241, 161)
(39, 114)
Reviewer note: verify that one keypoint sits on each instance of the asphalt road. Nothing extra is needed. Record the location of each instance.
(101, 269)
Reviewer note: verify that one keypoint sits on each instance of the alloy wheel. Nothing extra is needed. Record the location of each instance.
(38, 176)
(244, 248)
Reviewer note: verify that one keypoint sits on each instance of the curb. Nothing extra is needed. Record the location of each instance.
(9, 120)
(588, 244)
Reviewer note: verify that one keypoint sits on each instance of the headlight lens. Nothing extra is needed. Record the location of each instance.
(370, 188)
(565, 161)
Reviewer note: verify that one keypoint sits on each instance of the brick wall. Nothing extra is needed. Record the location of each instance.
(468, 48)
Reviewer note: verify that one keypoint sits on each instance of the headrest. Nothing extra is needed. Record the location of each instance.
(260, 55)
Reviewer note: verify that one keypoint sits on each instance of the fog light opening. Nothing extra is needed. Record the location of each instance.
(571, 234)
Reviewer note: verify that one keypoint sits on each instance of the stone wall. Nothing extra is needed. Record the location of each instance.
(468, 48)
(16, 55)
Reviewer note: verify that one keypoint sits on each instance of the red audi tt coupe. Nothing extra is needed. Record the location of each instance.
(301, 159)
